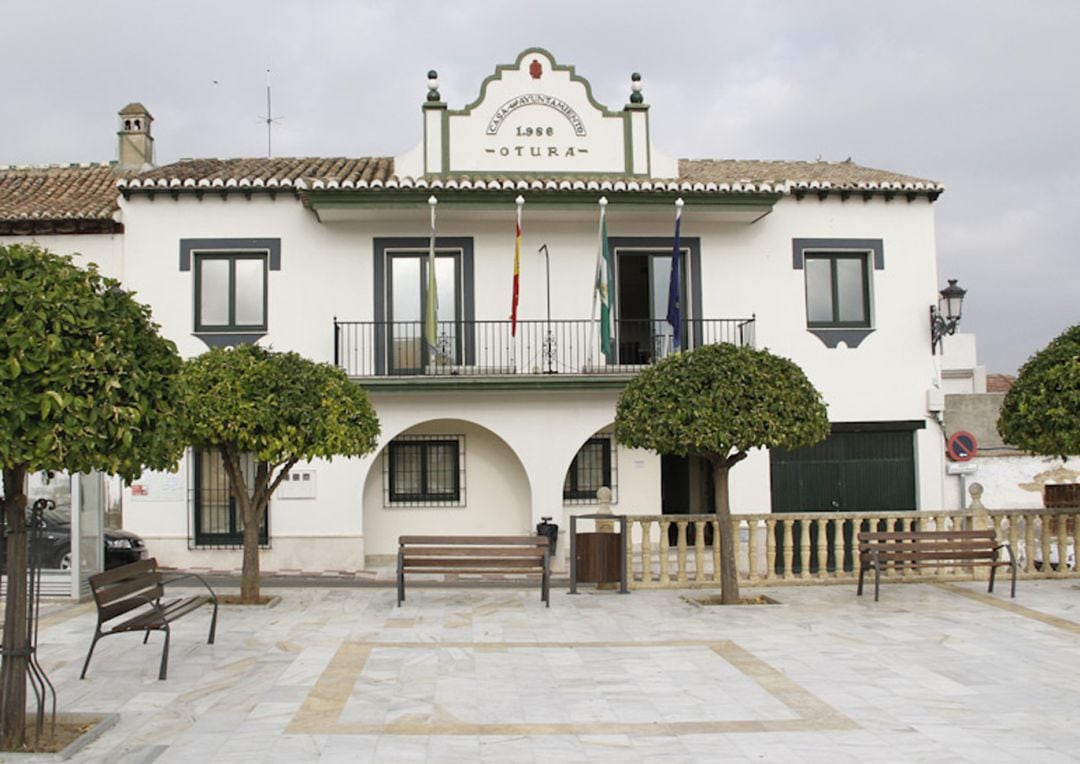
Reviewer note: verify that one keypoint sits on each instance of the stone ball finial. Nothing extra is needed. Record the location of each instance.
(433, 86)
(603, 495)
(635, 87)
(976, 490)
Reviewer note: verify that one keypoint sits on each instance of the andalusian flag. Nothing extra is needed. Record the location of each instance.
(605, 272)
(674, 299)
(517, 268)
(431, 307)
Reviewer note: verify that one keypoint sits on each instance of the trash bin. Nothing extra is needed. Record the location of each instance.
(549, 529)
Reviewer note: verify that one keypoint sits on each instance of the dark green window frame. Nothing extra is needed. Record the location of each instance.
(833, 258)
(217, 521)
(577, 487)
(427, 447)
(231, 325)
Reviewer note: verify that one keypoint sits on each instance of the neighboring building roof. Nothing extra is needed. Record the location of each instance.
(69, 199)
(702, 176)
(999, 383)
(134, 108)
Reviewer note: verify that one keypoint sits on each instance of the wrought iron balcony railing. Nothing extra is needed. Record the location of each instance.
(486, 348)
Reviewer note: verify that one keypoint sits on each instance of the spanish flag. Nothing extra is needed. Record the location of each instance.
(517, 268)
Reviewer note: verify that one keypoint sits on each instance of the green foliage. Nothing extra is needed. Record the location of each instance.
(720, 400)
(86, 382)
(280, 407)
(1041, 412)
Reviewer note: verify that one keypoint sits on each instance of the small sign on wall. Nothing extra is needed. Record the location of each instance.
(159, 486)
(300, 484)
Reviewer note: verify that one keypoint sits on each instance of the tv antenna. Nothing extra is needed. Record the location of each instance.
(269, 119)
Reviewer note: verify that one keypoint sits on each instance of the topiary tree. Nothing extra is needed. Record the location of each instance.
(1041, 412)
(279, 407)
(86, 383)
(718, 402)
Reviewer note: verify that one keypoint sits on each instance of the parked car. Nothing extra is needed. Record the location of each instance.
(54, 546)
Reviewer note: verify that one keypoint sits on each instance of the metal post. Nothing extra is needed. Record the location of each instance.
(549, 340)
(573, 554)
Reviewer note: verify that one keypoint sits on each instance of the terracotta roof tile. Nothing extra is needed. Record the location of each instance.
(89, 192)
(999, 383)
(838, 175)
(75, 192)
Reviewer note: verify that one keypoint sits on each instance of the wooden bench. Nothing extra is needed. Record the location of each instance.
(914, 549)
(474, 554)
(137, 591)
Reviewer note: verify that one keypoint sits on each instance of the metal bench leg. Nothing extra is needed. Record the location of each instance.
(146, 637)
(993, 572)
(877, 582)
(86, 664)
(164, 655)
(213, 625)
(862, 572)
(400, 578)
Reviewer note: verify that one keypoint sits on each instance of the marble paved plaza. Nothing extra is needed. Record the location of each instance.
(932, 672)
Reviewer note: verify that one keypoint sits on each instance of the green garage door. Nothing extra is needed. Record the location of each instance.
(864, 466)
(860, 466)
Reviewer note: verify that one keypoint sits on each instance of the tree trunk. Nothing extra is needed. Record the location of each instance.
(729, 573)
(249, 576)
(16, 634)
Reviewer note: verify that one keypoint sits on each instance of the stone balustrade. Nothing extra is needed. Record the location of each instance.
(677, 551)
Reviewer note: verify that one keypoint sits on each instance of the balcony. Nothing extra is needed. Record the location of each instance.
(488, 349)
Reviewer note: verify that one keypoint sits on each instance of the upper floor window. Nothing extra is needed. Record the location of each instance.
(838, 283)
(231, 286)
(230, 291)
(837, 290)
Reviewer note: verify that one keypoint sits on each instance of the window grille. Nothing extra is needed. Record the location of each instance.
(216, 518)
(424, 471)
(595, 465)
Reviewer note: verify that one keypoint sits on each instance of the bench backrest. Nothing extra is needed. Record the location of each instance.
(526, 541)
(490, 552)
(928, 545)
(125, 588)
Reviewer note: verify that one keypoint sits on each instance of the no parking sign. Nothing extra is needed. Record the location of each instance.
(961, 446)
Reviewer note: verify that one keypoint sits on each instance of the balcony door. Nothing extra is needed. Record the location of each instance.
(401, 296)
(643, 276)
(410, 351)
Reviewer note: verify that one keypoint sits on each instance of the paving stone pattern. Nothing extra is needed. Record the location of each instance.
(929, 673)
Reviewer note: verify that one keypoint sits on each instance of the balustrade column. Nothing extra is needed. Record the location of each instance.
(770, 549)
(822, 548)
(788, 552)
(664, 577)
(680, 551)
(646, 551)
(752, 548)
(699, 551)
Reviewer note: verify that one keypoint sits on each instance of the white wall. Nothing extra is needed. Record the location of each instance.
(1014, 482)
(104, 249)
(327, 270)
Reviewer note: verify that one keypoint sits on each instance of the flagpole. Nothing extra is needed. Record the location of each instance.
(519, 202)
(674, 310)
(603, 202)
(432, 308)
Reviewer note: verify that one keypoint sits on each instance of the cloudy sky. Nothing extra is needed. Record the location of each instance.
(981, 96)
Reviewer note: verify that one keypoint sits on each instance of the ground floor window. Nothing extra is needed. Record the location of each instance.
(424, 471)
(593, 466)
(217, 519)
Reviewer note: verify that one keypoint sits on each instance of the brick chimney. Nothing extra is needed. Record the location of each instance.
(136, 144)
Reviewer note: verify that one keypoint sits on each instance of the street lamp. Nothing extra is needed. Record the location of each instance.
(945, 317)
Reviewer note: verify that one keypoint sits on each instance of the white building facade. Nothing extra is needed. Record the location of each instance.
(496, 425)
